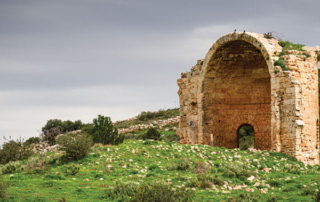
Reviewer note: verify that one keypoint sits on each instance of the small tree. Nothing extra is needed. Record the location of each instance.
(14, 151)
(50, 135)
(52, 123)
(153, 133)
(103, 131)
(76, 145)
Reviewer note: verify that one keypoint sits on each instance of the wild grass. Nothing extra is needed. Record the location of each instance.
(207, 173)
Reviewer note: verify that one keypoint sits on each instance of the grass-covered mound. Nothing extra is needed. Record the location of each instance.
(138, 169)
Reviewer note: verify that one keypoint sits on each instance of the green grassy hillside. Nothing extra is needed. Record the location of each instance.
(213, 174)
(142, 170)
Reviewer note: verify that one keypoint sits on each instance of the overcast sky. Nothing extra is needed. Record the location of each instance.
(75, 59)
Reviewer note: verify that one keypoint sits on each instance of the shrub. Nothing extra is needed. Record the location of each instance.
(316, 196)
(246, 196)
(318, 57)
(281, 64)
(76, 145)
(192, 182)
(183, 164)
(268, 35)
(51, 134)
(63, 199)
(153, 133)
(229, 174)
(32, 140)
(37, 164)
(122, 191)
(72, 169)
(153, 167)
(103, 131)
(282, 43)
(65, 126)
(170, 138)
(162, 192)
(308, 191)
(55, 127)
(3, 186)
(12, 167)
(14, 151)
(53, 177)
(201, 167)
(206, 180)
(274, 183)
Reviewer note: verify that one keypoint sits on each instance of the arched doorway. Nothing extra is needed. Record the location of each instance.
(237, 90)
(245, 136)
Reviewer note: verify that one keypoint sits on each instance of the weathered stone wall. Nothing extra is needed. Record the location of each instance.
(237, 84)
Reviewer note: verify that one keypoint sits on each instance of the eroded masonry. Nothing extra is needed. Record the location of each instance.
(237, 84)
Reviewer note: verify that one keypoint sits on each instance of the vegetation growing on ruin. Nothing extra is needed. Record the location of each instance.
(287, 45)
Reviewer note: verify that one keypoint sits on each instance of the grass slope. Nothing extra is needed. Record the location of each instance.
(182, 165)
(211, 173)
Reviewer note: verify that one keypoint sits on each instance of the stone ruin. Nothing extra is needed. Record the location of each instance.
(237, 84)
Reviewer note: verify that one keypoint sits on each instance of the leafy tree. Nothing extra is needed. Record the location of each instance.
(13, 151)
(55, 127)
(76, 145)
(52, 123)
(78, 125)
(153, 133)
(68, 126)
(32, 140)
(103, 131)
(50, 135)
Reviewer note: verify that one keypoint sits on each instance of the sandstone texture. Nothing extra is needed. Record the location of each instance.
(238, 84)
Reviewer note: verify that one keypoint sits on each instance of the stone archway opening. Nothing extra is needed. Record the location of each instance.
(245, 137)
(237, 90)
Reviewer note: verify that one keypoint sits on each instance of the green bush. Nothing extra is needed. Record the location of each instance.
(170, 138)
(37, 164)
(153, 133)
(316, 196)
(246, 196)
(76, 145)
(32, 140)
(308, 191)
(122, 191)
(153, 167)
(183, 164)
(282, 43)
(229, 174)
(162, 192)
(55, 127)
(12, 167)
(51, 134)
(201, 167)
(72, 169)
(66, 126)
(318, 57)
(274, 183)
(53, 177)
(281, 64)
(3, 186)
(14, 151)
(103, 131)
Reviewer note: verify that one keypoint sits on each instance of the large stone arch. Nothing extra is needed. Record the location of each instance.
(237, 83)
(236, 89)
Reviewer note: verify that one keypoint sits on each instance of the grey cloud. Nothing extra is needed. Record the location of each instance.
(59, 58)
